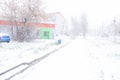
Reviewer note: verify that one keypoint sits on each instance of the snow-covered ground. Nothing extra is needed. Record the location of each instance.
(15, 53)
(82, 59)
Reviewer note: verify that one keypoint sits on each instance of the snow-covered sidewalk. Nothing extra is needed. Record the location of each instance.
(83, 59)
(19, 54)
(80, 60)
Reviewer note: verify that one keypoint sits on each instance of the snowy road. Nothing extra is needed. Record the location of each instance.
(83, 59)
(70, 63)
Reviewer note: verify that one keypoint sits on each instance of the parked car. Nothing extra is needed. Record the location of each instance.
(4, 37)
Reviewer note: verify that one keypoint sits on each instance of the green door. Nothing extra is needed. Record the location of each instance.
(46, 33)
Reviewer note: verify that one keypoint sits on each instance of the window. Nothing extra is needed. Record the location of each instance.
(46, 33)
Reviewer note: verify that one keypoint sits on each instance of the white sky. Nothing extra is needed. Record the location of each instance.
(99, 11)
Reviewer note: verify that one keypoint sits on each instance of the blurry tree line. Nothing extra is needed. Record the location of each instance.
(112, 29)
(79, 25)
(80, 28)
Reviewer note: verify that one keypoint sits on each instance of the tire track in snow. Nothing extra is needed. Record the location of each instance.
(14, 71)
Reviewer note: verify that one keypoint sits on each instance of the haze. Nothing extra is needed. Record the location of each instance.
(98, 11)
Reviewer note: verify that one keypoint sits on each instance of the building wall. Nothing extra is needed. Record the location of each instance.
(45, 29)
(46, 33)
(59, 21)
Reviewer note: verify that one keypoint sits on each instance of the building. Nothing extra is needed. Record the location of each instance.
(60, 24)
(45, 30)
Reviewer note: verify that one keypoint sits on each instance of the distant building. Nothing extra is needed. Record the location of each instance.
(58, 19)
(46, 29)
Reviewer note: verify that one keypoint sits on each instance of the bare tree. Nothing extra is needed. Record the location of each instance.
(116, 29)
(84, 24)
(20, 13)
(79, 26)
(75, 26)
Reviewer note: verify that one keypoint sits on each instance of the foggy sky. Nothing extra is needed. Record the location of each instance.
(98, 11)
